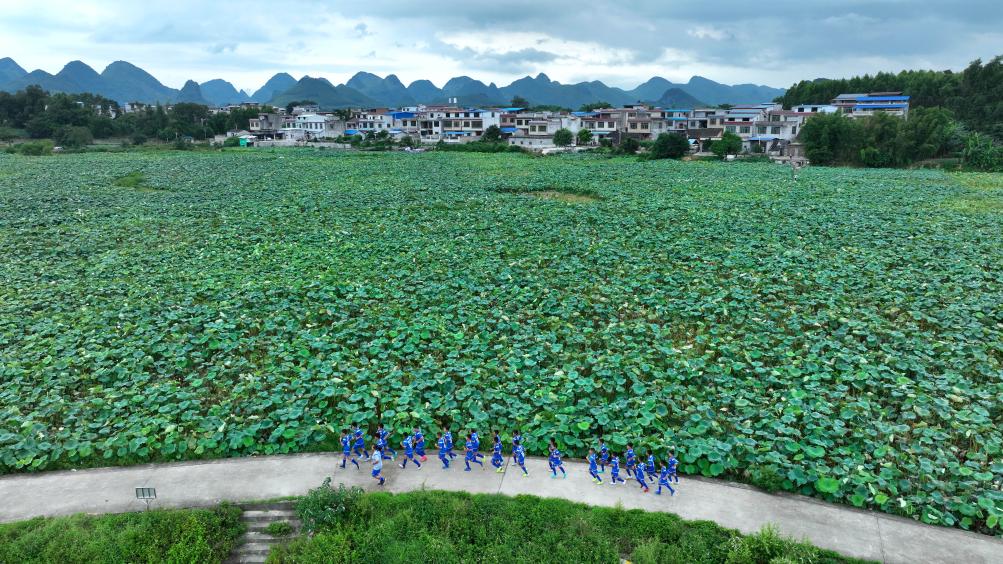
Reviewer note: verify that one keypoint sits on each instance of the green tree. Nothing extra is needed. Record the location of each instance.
(629, 146)
(492, 134)
(406, 141)
(729, 144)
(74, 136)
(594, 106)
(669, 146)
(7, 134)
(563, 137)
(584, 136)
(831, 138)
(519, 102)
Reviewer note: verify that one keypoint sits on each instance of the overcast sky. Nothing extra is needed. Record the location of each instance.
(623, 43)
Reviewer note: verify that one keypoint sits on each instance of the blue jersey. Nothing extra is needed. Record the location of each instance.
(448, 438)
(498, 447)
(516, 439)
(603, 452)
(592, 463)
(639, 472)
(419, 439)
(383, 434)
(360, 439)
(408, 446)
(664, 475)
(520, 454)
(346, 444)
(477, 441)
(615, 466)
(381, 444)
(630, 457)
(672, 464)
(651, 464)
(441, 443)
(470, 448)
(555, 457)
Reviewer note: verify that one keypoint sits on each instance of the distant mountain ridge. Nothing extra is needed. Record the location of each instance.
(126, 82)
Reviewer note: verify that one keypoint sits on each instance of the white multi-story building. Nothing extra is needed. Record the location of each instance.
(313, 126)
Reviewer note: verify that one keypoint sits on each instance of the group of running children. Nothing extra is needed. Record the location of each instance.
(353, 446)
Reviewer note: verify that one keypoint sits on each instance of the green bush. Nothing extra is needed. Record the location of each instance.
(231, 142)
(728, 144)
(323, 507)
(279, 529)
(182, 536)
(31, 149)
(461, 527)
(669, 146)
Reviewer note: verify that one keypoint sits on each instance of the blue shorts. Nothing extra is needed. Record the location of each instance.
(346, 452)
(376, 472)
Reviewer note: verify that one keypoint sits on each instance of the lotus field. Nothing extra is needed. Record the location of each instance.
(841, 337)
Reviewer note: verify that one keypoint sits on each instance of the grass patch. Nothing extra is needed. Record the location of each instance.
(279, 529)
(461, 527)
(192, 535)
(135, 180)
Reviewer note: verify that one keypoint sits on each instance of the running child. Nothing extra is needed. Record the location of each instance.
(471, 456)
(497, 460)
(649, 468)
(603, 455)
(385, 436)
(443, 451)
(409, 452)
(639, 475)
(346, 449)
(360, 442)
(593, 467)
(377, 461)
(614, 471)
(551, 447)
(672, 467)
(630, 460)
(382, 445)
(519, 455)
(447, 436)
(419, 444)
(663, 480)
(555, 463)
(477, 444)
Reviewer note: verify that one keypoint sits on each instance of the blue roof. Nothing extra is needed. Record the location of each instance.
(511, 109)
(883, 99)
(510, 130)
(880, 106)
(679, 118)
(351, 132)
(583, 114)
(459, 132)
(764, 138)
(401, 115)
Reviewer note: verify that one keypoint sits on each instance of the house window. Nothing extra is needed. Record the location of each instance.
(761, 129)
(745, 129)
(644, 126)
(775, 130)
(730, 128)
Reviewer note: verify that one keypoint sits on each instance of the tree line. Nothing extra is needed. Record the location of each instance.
(951, 114)
(77, 119)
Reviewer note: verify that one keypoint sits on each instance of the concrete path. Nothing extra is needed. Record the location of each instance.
(857, 533)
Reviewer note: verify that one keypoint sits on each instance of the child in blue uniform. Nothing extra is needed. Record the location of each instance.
(516, 439)
(447, 436)
(672, 467)
(388, 452)
(443, 451)
(614, 472)
(593, 467)
(377, 461)
(663, 480)
(551, 447)
(630, 460)
(477, 444)
(382, 445)
(409, 452)
(555, 463)
(471, 456)
(603, 455)
(649, 468)
(639, 475)
(346, 449)
(519, 455)
(360, 442)
(419, 444)
(497, 460)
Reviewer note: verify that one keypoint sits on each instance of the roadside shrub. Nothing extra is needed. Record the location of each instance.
(325, 506)
(231, 142)
(31, 149)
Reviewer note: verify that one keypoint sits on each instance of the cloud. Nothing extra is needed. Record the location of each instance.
(246, 41)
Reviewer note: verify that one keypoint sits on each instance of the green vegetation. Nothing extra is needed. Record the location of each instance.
(175, 536)
(972, 95)
(840, 337)
(279, 529)
(30, 149)
(883, 140)
(460, 527)
(728, 144)
(669, 146)
(563, 137)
